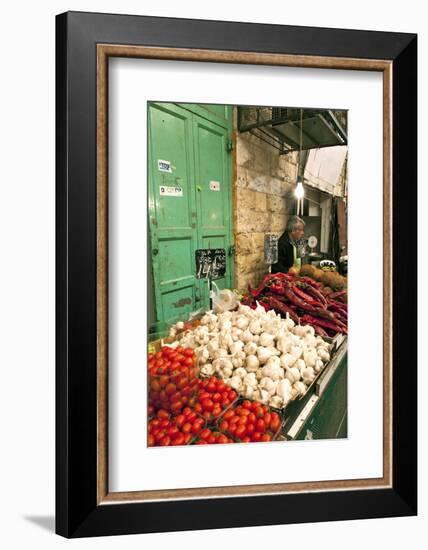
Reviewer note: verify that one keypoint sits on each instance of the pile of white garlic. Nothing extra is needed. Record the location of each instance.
(259, 354)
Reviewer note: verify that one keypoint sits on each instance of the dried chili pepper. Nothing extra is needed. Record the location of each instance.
(282, 308)
(324, 323)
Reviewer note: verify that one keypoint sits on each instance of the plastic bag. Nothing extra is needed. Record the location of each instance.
(223, 300)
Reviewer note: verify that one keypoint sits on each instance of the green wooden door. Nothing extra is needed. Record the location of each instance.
(212, 194)
(189, 202)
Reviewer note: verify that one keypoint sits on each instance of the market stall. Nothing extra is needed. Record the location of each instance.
(258, 369)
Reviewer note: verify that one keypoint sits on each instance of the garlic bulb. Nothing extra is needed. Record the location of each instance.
(300, 387)
(287, 360)
(263, 354)
(292, 374)
(255, 327)
(250, 348)
(318, 365)
(247, 336)
(323, 354)
(252, 363)
(266, 339)
(308, 375)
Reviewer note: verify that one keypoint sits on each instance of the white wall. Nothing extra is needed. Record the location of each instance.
(27, 271)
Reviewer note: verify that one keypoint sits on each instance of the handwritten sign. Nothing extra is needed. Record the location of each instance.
(271, 249)
(210, 263)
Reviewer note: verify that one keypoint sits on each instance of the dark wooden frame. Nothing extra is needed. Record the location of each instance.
(84, 507)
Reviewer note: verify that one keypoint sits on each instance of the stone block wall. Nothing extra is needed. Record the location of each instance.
(263, 180)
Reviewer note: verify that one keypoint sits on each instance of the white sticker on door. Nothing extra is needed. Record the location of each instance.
(164, 165)
(167, 191)
(214, 185)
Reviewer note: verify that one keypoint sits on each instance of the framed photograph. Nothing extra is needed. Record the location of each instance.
(236, 274)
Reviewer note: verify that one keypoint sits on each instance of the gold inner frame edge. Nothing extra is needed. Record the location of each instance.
(104, 51)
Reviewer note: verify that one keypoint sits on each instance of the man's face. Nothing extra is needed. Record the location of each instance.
(298, 232)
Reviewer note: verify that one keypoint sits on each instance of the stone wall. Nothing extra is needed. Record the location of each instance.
(263, 179)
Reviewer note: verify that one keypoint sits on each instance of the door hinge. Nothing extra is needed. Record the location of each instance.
(230, 145)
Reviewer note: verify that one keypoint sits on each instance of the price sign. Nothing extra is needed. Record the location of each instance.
(271, 249)
(210, 263)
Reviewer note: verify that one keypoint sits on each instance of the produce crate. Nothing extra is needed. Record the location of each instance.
(274, 435)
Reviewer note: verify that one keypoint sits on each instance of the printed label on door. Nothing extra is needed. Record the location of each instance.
(214, 185)
(164, 166)
(166, 191)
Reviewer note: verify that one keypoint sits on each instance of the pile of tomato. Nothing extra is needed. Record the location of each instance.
(210, 436)
(173, 379)
(250, 422)
(213, 398)
(185, 409)
(166, 430)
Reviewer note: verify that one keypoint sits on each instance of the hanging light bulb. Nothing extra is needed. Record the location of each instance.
(299, 191)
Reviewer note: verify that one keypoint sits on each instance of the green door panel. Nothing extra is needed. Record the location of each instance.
(197, 215)
(172, 234)
(213, 193)
(219, 114)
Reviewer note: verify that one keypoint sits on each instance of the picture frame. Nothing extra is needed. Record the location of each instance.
(84, 44)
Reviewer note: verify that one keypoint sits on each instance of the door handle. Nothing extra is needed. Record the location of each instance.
(155, 251)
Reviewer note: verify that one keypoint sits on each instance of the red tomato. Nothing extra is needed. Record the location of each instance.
(197, 425)
(204, 395)
(187, 438)
(216, 397)
(179, 439)
(163, 414)
(228, 414)
(211, 439)
(224, 425)
(221, 439)
(170, 388)
(232, 395)
(163, 381)
(216, 410)
(150, 440)
(242, 420)
(201, 442)
(172, 431)
(186, 428)
(176, 406)
(249, 429)
(180, 420)
(256, 436)
(188, 362)
(246, 404)
(260, 425)
(207, 404)
(275, 423)
(154, 385)
(232, 428)
(198, 408)
(160, 435)
(240, 431)
(164, 423)
(245, 439)
(188, 352)
(207, 415)
(266, 437)
(220, 386)
(205, 433)
(187, 411)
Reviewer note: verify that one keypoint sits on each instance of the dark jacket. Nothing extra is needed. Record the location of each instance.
(285, 254)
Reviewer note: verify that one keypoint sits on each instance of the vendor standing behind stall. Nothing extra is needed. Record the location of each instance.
(287, 249)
